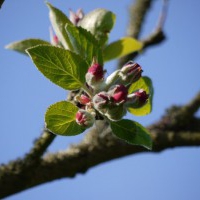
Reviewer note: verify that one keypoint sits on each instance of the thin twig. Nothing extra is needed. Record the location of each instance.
(1, 3)
(155, 38)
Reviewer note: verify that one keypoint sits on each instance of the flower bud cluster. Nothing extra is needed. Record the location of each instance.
(111, 103)
(109, 97)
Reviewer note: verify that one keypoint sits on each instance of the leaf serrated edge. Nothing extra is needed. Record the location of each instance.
(27, 50)
(73, 121)
(86, 33)
(13, 44)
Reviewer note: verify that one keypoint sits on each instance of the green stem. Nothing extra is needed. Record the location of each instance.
(89, 92)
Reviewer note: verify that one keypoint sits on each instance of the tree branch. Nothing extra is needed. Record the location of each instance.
(157, 36)
(40, 146)
(1, 3)
(180, 118)
(178, 127)
(138, 12)
(98, 147)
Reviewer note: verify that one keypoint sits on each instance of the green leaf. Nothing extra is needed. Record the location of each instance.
(60, 119)
(22, 45)
(99, 22)
(144, 83)
(132, 132)
(61, 66)
(121, 48)
(59, 20)
(84, 44)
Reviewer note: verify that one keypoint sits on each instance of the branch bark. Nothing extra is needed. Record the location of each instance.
(40, 146)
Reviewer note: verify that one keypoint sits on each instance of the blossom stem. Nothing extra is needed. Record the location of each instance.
(86, 89)
(112, 79)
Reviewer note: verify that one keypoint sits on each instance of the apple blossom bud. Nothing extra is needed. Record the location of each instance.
(53, 38)
(94, 76)
(118, 94)
(84, 118)
(96, 70)
(110, 103)
(76, 17)
(130, 72)
(137, 99)
(84, 99)
(101, 102)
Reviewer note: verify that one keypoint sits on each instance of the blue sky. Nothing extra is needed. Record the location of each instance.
(174, 67)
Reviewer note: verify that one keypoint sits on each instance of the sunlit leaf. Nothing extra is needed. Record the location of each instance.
(60, 119)
(132, 132)
(121, 48)
(61, 66)
(22, 45)
(59, 20)
(84, 44)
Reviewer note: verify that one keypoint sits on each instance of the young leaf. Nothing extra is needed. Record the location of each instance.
(144, 83)
(60, 119)
(22, 45)
(99, 22)
(61, 66)
(84, 44)
(132, 132)
(121, 48)
(59, 20)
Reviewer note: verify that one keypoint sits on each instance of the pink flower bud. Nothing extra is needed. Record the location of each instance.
(142, 96)
(130, 72)
(84, 99)
(53, 38)
(104, 104)
(95, 75)
(118, 93)
(137, 99)
(76, 17)
(110, 103)
(84, 118)
(97, 71)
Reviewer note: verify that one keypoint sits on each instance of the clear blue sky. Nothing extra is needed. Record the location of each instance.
(174, 68)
